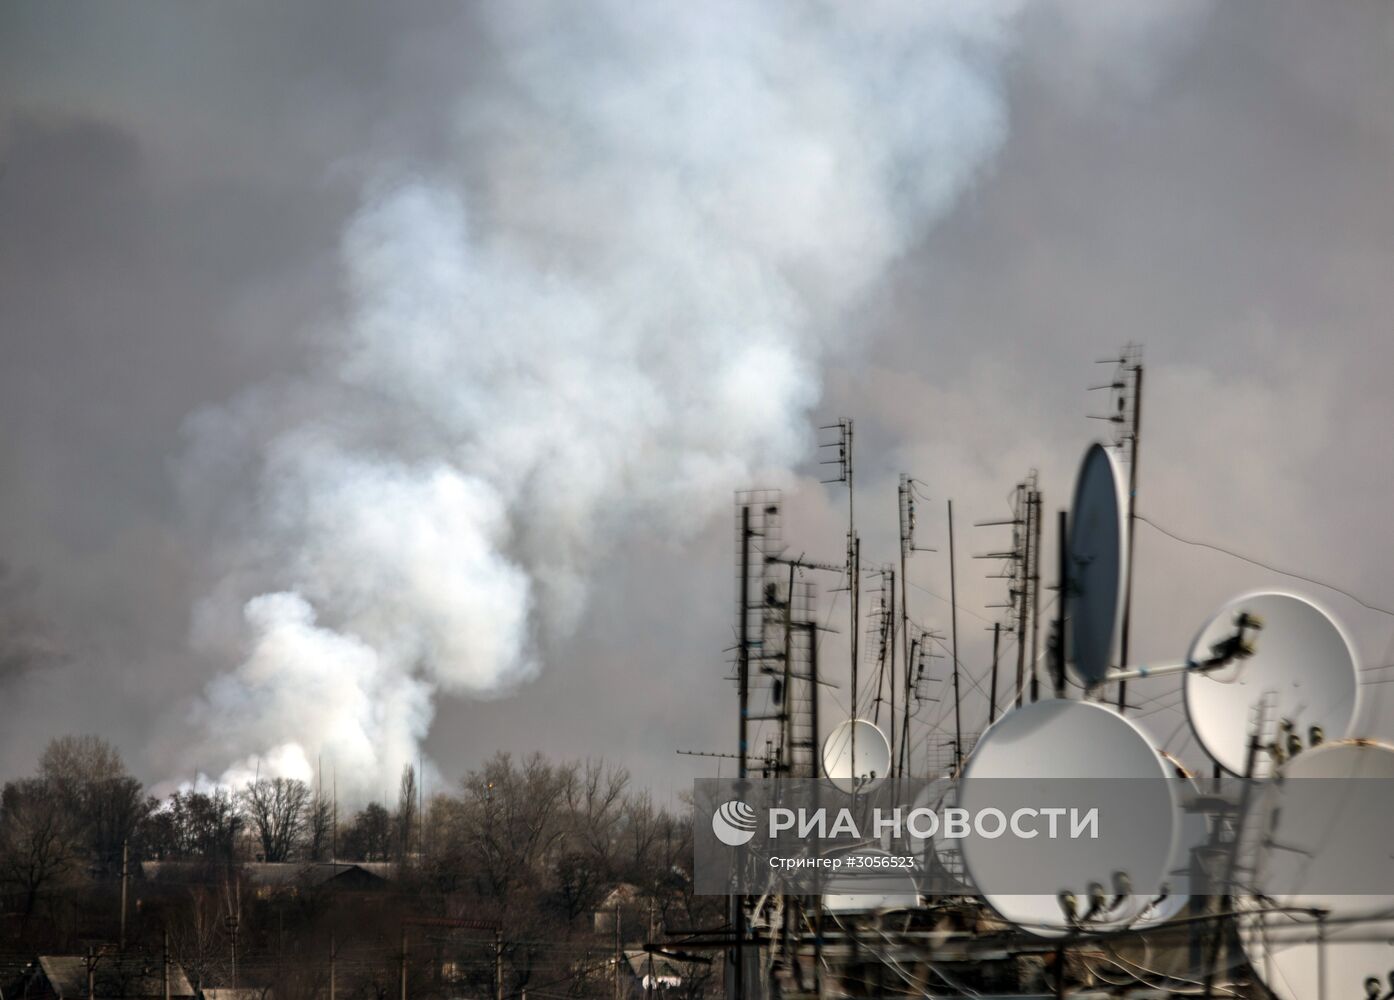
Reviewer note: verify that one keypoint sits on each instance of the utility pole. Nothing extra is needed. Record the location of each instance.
(404, 962)
(125, 881)
(649, 986)
(498, 958)
(164, 965)
(233, 920)
(333, 958)
(619, 957)
(953, 627)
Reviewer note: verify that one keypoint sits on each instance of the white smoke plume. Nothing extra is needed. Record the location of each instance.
(605, 309)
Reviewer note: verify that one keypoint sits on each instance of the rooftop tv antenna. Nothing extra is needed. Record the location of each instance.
(907, 494)
(953, 639)
(1125, 414)
(841, 460)
(1020, 567)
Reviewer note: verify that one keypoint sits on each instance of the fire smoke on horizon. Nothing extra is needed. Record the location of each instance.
(605, 308)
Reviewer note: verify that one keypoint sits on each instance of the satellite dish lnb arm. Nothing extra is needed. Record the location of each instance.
(1238, 645)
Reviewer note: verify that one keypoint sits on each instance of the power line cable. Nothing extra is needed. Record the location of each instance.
(1263, 565)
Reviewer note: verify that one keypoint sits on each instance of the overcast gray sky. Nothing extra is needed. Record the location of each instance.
(184, 194)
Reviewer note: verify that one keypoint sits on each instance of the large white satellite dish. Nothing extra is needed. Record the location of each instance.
(1327, 834)
(872, 756)
(1061, 739)
(870, 888)
(1193, 832)
(1303, 671)
(1098, 563)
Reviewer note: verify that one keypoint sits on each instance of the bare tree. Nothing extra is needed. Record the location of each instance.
(105, 805)
(198, 938)
(276, 809)
(38, 840)
(594, 798)
(511, 820)
(74, 760)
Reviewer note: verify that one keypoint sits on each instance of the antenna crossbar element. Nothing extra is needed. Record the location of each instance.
(706, 753)
(1239, 645)
(802, 563)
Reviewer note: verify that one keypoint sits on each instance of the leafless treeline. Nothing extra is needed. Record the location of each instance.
(531, 846)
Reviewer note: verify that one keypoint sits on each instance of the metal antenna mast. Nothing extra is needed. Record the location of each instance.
(843, 462)
(1019, 573)
(906, 493)
(1125, 414)
(953, 633)
(1033, 582)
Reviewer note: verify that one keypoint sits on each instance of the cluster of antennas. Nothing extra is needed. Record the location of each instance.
(1270, 687)
(1103, 906)
(1374, 989)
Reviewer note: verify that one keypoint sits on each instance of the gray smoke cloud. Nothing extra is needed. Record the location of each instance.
(603, 305)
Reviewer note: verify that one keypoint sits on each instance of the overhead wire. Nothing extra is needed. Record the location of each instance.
(1263, 565)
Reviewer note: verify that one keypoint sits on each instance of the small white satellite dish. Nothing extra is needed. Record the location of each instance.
(1136, 835)
(872, 756)
(1193, 832)
(1304, 671)
(1328, 848)
(869, 888)
(1098, 563)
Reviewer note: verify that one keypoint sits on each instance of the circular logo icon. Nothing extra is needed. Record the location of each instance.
(734, 823)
